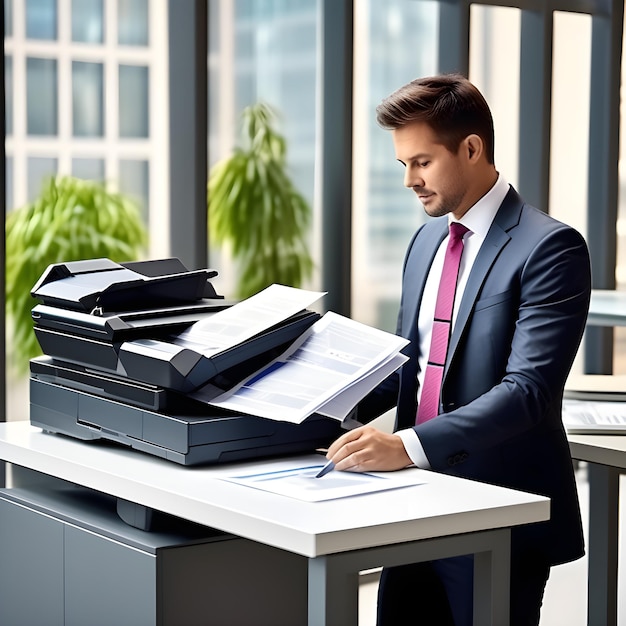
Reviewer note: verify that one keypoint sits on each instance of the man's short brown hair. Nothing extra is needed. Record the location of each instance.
(450, 104)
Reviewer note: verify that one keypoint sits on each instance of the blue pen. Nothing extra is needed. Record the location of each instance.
(327, 468)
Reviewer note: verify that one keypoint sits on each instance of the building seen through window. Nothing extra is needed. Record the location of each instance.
(81, 95)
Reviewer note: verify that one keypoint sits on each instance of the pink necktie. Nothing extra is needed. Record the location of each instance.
(442, 325)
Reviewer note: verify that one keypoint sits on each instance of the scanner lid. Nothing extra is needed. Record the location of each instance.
(101, 285)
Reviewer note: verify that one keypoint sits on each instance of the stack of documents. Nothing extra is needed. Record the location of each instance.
(332, 366)
(595, 404)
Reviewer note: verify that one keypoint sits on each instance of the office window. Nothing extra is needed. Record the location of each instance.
(132, 18)
(41, 96)
(80, 99)
(133, 101)
(8, 94)
(38, 170)
(135, 182)
(569, 151)
(264, 51)
(41, 19)
(619, 358)
(495, 35)
(63, 108)
(8, 18)
(87, 99)
(384, 213)
(8, 177)
(88, 169)
(88, 21)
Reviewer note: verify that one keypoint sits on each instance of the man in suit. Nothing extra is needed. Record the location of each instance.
(521, 303)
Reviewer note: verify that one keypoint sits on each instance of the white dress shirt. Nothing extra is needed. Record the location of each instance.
(478, 219)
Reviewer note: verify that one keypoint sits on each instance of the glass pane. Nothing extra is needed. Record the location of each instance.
(619, 355)
(215, 71)
(87, 99)
(88, 169)
(8, 98)
(41, 19)
(39, 169)
(134, 182)
(133, 99)
(274, 60)
(41, 96)
(132, 24)
(8, 173)
(494, 36)
(569, 151)
(8, 18)
(87, 21)
(385, 214)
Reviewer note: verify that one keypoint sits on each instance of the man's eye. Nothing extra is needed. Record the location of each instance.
(424, 164)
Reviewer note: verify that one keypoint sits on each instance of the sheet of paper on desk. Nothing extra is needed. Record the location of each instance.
(246, 319)
(335, 356)
(586, 416)
(299, 482)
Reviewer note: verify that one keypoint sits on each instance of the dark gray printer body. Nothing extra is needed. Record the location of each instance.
(103, 378)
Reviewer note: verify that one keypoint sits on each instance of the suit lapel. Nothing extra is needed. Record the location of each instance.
(497, 238)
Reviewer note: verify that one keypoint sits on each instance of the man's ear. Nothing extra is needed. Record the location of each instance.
(474, 147)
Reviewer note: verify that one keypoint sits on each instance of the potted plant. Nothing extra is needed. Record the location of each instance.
(71, 220)
(254, 208)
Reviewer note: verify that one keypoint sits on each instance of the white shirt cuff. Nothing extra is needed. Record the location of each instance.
(413, 447)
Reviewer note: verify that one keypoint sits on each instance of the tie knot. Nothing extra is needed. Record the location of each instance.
(457, 230)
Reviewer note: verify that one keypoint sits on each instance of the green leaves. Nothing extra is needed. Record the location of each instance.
(255, 208)
(71, 220)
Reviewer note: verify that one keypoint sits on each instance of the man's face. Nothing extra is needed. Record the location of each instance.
(439, 177)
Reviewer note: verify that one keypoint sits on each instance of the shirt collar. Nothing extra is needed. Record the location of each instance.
(480, 216)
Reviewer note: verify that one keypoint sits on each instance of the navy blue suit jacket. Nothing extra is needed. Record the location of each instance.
(519, 326)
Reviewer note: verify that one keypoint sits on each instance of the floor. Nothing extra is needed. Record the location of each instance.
(565, 601)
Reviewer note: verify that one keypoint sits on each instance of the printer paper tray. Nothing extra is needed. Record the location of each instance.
(188, 439)
(105, 385)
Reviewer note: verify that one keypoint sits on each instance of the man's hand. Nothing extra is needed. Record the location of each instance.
(368, 449)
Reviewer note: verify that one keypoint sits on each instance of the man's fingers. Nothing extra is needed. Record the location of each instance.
(340, 443)
(352, 461)
(368, 449)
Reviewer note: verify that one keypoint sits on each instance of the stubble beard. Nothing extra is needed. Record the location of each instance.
(444, 205)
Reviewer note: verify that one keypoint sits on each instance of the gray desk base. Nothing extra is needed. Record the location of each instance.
(67, 560)
(333, 579)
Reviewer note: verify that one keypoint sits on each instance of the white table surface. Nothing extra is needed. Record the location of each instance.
(607, 308)
(442, 506)
(603, 449)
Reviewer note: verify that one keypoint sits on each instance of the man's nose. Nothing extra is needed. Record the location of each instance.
(412, 179)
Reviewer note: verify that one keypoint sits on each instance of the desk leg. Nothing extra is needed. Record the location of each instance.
(333, 593)
(603, 545)
(334, 579)
(492, 575)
